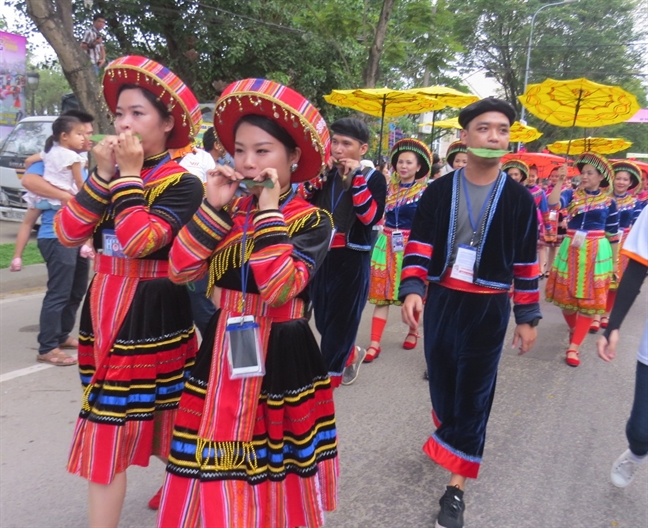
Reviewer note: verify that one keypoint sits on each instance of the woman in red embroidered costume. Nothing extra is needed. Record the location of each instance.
(411, 161)
(582, 271)
(261, 450)
(627, 176)
(137, 340)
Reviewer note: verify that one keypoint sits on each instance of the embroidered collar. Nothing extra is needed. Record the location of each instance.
(152, 161)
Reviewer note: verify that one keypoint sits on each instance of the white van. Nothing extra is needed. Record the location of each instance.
(27, 138)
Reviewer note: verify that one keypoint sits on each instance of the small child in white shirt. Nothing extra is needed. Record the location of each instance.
(63, 161)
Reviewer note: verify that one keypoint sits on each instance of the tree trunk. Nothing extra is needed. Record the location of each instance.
(370, 74)
(53, 19)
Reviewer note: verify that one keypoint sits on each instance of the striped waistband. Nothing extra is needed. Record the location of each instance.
(232, 300)
(134, 268)
(455, 284)
(591, 235)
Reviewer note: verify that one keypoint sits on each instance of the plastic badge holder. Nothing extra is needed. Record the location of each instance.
(398, 241)
(243, 345)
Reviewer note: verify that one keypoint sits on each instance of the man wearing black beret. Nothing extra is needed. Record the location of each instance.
(355, 197)
(473, 237)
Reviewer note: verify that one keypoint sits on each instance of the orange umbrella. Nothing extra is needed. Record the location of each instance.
(544, 161)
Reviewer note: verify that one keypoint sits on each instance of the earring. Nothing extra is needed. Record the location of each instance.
(293, 167)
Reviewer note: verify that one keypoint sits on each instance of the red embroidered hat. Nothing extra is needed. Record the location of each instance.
(416, 146)
(632, 168)
(517, 164)
(454, 149)
(287, 108)
(165, 85)
(601, 164)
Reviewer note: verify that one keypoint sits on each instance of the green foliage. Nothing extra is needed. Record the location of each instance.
(31, 255)
(51, 87)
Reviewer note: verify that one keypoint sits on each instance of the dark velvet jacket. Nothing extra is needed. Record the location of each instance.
(508, 252)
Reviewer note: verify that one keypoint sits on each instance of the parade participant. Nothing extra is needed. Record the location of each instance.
(546, 230)
(411, 161)
(456, 155)
(137, 339)
(641, 192)
(516, 169)
(435, 173)
(627, 177)
(255, 446)
(355, 197)
(473, 237)
(582, 271)
(553, 237)
(635, 249)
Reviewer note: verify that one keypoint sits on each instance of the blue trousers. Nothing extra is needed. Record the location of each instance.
(67, 281)
(637, 426)
(339, 293)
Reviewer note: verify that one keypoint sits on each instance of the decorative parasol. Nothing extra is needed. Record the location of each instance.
(543, 161)
(579, 102)
(453, 122)
(590, 144)
(523, 133)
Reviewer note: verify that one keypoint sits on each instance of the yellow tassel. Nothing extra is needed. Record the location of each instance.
(227, 456)
(153, 192)
(85, 400)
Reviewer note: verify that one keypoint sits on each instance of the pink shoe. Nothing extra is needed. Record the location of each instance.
(16, 264)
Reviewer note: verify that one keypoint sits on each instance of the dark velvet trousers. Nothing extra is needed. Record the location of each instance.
(463, 338)
(339, 293)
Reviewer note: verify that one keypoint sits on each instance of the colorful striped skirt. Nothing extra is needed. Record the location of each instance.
(580, 277)
(622, 260)
(293, 480)
(386, 266)
(129, 411)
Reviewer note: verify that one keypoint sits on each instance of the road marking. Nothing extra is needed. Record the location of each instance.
(27, 370)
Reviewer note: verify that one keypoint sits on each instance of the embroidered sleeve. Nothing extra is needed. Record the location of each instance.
(565, 199)
(612, 223)
(308, 189)
(369, 198)
(526, 271)
(419, 248)
(141, 229)
(286, 257)
(196, 241)
(75, 223)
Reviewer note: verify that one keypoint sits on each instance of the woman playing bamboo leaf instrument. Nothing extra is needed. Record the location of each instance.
(253, 449)
(411, 161)
(137, 339)
(582, 271)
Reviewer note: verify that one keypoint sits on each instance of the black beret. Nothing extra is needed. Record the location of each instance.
(489, 104)
(354, 128)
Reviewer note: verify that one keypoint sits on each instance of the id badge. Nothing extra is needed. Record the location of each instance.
(553, 216)
(111, 245)
(579, 239)
(464, 266)
(243, 345)
(398, 241)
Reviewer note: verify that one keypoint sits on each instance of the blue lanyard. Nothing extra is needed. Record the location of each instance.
(399, 201)
(474, 225)
(334, 202)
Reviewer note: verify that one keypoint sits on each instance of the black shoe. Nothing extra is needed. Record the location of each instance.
(452, 509)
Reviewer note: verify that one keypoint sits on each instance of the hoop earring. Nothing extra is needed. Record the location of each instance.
(293, 167)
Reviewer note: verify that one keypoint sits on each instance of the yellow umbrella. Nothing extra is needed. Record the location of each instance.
(524, 133)
(590, 144)
(445, 96)
(579, 102)
(453, 122)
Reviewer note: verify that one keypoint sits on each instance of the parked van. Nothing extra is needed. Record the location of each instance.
(27, 138)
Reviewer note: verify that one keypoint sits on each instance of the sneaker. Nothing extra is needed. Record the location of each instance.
(350, 373)
(624, 468)
(452, 509)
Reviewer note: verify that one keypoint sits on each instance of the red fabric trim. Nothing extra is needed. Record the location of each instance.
(435, 419)
(418, 249)
(448, 460)
(526, 271)
(413, 272)
(339, 241)
(526, 297)
(456, 284)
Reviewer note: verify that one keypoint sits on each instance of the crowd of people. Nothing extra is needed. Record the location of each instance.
(277, 218)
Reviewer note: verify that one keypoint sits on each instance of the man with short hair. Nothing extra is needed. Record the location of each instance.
(92, 42)
(355, 198)
(67, 270)
(474, 235)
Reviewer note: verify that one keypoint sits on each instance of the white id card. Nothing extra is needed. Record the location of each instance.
(579, 239)
(111, 245)
(464, 266)
(398, 241)
(553, 215)
(243, 345)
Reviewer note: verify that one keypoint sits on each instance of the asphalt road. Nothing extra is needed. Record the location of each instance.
(553, 435)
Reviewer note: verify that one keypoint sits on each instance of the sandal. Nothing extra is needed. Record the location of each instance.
(369, 357)
(70, 343)
(604, 321)
(154, 503)
(56, 357)
(594, 327)
(572, 358)
(16, 264)
(408, 345)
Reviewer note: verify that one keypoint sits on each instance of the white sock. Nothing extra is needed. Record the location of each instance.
(638, 459)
